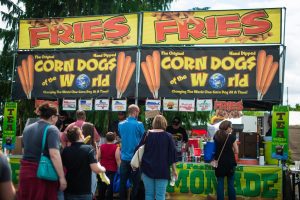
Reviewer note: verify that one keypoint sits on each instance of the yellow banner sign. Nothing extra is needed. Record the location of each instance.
(79, 32)
(261, 26)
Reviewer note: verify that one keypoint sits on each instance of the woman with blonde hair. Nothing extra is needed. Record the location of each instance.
(159, 155)
(226, 163)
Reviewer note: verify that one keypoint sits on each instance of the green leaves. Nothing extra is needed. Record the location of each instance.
(57, 8)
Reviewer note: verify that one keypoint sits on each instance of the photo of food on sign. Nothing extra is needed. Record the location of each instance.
(118, 105)
(69, 104)
(101, 104)
(152, 104)
(226, 110)
(187, 105)
(250, 73)
(170, 104)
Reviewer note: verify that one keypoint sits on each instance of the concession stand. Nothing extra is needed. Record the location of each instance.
(226, 60)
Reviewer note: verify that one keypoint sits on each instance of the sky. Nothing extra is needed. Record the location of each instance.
(291, 81)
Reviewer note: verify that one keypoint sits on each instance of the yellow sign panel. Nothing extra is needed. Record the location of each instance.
(80, 32)
(198, 181)
(261, 26)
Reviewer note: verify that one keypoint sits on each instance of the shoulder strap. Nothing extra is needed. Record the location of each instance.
(223, 147)
(146, 137)
(44, 137)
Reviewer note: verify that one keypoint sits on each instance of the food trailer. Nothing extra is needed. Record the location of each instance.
(182, 61)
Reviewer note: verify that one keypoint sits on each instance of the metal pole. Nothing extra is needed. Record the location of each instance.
(14, 63)
(138, 67)
(287, 96)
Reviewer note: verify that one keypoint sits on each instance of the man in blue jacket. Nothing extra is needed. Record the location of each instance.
(131, 132)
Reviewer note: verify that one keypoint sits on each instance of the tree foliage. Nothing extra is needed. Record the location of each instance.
(296, 108)
(19, 9)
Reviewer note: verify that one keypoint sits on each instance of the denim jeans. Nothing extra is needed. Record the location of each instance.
(154, 188)
(60, 195)
(230, 185)
(94, 182)
(134, 177)
(78, 197)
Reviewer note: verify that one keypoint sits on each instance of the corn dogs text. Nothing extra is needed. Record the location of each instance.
(125, 69)
(26, 75)
(265, 73)
(151, 71)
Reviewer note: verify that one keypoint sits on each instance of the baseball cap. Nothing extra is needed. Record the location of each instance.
(176, 121)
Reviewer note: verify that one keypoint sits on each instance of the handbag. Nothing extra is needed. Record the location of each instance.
(116, 183)
(137, 157)
(46, 169)
(214, 163)
(209, 151)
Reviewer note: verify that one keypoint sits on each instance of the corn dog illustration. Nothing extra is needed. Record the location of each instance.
(150, 65)
(123, 75)
(265, 74)
(270, 78)
(22, 80)
(147, 77)
(261, 58)
(128, 77)
(156, 62)
(30, 64)
(125, 69)
(120, 65)
(26, 75)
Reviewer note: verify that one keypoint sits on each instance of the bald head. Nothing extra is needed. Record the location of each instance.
(133, 110)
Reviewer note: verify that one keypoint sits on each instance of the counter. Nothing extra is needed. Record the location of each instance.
(198, 181)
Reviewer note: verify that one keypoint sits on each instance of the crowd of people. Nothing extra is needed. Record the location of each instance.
(79, 157)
